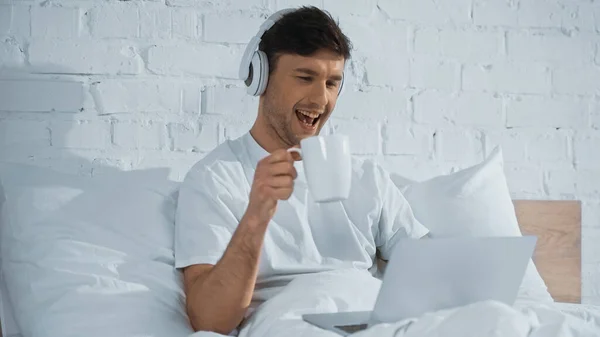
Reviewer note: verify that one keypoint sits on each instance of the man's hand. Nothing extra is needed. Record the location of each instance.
(218, 296)
(273, 181)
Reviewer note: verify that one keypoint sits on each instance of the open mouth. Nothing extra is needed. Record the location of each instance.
(309, 119)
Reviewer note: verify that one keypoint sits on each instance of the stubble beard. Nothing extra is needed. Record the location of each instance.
(277, 123)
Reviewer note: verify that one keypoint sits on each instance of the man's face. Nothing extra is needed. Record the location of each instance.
(301, 94)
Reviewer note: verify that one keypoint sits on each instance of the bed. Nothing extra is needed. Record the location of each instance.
(557, 225)
(72, 268)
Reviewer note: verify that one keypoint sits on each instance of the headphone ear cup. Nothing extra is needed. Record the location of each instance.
(254, 74)
(263, 60)
(260, 73)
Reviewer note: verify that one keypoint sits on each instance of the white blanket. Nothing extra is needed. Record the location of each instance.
(355, 290)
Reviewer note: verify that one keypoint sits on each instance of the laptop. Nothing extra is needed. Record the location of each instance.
(436, 274)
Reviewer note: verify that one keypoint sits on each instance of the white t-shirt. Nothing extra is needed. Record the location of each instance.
(303, 236)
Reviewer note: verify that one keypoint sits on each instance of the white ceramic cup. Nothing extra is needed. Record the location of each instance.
(327, 166)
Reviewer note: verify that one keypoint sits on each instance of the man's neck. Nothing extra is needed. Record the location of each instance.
(265, 136)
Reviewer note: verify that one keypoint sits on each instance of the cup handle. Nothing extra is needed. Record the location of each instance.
(295, 149)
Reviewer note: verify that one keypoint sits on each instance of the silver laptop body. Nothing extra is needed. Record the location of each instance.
(439, 273)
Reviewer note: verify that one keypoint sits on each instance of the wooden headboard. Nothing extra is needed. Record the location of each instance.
(557, 225)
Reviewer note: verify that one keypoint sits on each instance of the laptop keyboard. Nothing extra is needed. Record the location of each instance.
(352, 328)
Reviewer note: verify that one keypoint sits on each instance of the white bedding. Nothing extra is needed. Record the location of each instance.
(128, 250)
(355, 290)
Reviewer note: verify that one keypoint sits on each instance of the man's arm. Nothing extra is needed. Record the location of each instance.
(397, 219)
(218, 296)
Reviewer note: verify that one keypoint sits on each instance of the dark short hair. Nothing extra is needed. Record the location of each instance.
(304, 31)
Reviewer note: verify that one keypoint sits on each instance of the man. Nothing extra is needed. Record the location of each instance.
(246, 223)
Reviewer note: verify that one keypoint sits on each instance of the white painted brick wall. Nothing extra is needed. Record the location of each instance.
(375, 43)
(583, 183)
(193, 137)
(155, 22)
(211, 60)
(400, 140)
(434, 85)
(576, 80)
(506, 77)
(80, 134)
(462, 45)
(547, 14)
(531, 47)
(230, 100)
(532, 14)
(551, 148)
(18, 132)
(150, 95)
(220, 5)
(467, 108)
(543, 111)
(360, 104)
(84, 57)
(218, 27)
(457, 145)
(479, 109)
(350, 7)
(586, 144)
(433, 73)
(428, 12)
(114, 20)
(495, 13)
(186, 24)
(396, 75)
(15, 21)
(140, 135)
(369, 142)
(41, 95)
(11, 54)
(595, 112)
(513, 144)
(525, 181)
(55, 22)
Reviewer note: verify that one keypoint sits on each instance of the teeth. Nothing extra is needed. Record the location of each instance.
(309, 114)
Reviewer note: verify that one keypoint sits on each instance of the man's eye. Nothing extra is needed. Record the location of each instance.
(304, 78)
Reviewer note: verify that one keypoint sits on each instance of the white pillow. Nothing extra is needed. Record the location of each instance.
(91, 257)
(472, 202)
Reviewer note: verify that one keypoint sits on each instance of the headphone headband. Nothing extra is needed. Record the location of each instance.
(252, 46)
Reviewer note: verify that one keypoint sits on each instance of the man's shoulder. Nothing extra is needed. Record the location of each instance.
(221, 161)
